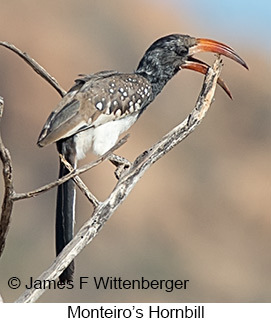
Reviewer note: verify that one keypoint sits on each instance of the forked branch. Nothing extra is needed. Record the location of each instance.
(128, 180)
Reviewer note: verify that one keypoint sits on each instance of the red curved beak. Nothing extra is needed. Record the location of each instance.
(208, 45)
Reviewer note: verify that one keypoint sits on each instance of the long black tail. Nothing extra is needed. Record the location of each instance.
(65, 206)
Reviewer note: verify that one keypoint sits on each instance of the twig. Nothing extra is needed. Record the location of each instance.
(73, 174)
(36, 67)
(80, 184)
(7, 204)
(127, 181)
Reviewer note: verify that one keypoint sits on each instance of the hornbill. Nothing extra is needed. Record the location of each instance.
(101, 106)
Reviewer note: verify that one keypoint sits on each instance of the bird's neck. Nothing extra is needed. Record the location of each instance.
(156, 72)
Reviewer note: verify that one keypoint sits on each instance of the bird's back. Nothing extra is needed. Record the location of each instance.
(94, 100)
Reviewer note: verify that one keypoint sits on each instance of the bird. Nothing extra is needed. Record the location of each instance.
(99, 107)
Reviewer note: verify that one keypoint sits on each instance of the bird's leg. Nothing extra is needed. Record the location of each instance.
(121, 163)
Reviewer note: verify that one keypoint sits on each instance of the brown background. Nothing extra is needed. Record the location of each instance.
(202, 213)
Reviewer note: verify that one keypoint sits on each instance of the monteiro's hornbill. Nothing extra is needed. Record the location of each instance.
(101, 106)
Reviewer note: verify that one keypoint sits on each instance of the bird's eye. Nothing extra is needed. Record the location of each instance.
(182, 50)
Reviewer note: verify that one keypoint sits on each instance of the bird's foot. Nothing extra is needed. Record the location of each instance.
(121, 163)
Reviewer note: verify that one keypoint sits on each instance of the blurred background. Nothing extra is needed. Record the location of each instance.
(202, 212)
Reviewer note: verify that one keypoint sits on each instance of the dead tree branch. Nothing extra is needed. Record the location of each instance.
(11, 196)
(7, 204)
(36, 67)
(128, 180)
(73, 174)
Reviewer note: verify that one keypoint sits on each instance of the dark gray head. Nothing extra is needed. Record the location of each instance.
(164, 57)
(167, 55)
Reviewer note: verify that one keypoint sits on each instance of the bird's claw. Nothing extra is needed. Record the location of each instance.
(121, 164)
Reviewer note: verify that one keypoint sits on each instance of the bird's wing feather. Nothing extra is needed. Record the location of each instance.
(94, 100)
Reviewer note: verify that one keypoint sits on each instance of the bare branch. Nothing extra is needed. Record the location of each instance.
(81, 185)
(128, 180)
(7, 204)
(73, 174)
(36, 67)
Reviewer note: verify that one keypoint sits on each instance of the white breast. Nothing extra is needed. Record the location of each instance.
(83, 142)
(103, 137)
